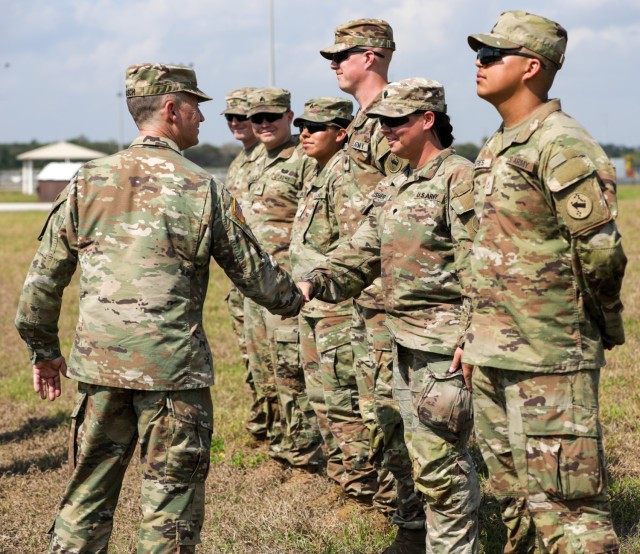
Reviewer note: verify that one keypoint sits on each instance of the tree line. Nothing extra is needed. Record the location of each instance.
(211, 156)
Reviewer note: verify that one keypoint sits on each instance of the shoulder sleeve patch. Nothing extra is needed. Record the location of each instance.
(59, 200)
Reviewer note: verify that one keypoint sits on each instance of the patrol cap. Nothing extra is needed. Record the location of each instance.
(516, 29)
(153, 79)
(325, 109)
(408, 96)
(269, 100)
(361, 32)
(237, 101)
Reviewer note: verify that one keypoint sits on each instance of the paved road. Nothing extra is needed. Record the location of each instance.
(25, 206)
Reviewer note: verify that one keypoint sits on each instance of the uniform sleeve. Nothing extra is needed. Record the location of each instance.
(237, 251)
(50, 272)
(463, 223)
(583, 189)
(352, 266)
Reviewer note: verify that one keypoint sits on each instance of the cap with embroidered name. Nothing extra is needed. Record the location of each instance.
(153, 79)
(361, 32)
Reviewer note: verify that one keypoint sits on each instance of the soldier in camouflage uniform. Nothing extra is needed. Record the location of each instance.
(272, 343)
(417, 238)
(325, 341)
(360, 56)
(143, 225)
(547, 268)
(241, 171)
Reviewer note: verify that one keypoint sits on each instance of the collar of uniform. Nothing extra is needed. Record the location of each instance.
(254, 152)
(533, 122)
(282, 152)
(428, 170)
(155, 142)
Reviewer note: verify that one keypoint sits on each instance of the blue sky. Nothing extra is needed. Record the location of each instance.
(62, 63)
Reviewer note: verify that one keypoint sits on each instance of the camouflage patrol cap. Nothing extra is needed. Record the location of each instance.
(409, 96)
(516, 29)
(153, 79)
(361, 32)
(269, 100)
(237, 101)
(325, 109)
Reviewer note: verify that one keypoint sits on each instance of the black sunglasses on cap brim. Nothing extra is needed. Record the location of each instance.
(239, 118)
(339, 57)
(258, 118)
(315, 127)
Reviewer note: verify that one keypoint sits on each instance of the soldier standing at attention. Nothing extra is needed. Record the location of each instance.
(547, 266)
(418, 238)
(360, 56)
(143, 225)
(325, 341)
(272, 343)
(240, 173)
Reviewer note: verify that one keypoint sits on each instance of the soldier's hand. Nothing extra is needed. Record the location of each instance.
(467, 370)
(306, 288)
(46, 377)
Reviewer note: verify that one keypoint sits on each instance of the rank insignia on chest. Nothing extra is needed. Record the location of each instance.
(488, 185)
(579, 206)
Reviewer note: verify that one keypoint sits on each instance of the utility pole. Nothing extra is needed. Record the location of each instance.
(272, 62)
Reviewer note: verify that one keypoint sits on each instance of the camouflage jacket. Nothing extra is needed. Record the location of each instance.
(369, 161)
(547, 261)
(316, 230)
(274, 196)
(418, 241)
(143, 225)
(242, 171)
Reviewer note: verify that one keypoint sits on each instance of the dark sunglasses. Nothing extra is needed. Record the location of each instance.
(270, 117)
(339, 57)
(315, 127)
(239, 118)
(394, 121)
(487, 55)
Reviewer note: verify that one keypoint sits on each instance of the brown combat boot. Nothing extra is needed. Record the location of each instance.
(408, 541)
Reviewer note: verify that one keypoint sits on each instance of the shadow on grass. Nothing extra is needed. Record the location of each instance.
(42, 463)
(32, 426)
(625, 499)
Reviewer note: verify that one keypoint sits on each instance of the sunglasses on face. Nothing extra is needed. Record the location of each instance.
(314, 127)
(239, 118)
(270, 117)
(339, 57)
(487, 55)
(394, 121)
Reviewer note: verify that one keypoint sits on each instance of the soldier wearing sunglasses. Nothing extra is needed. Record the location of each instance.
(417, 238)
(272, 343)
(360, 57)
(547, 268)
(241, 171)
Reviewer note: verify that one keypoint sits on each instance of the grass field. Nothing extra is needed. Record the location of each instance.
(253, 504)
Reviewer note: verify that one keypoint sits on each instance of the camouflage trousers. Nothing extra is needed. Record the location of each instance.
(274, 361)
(396, 494)
(257, 422)
(541, 439)
(331, 384)
(438, 420)
(174, 431)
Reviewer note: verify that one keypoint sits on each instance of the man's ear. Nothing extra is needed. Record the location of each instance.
(534, 67)
(169, 111)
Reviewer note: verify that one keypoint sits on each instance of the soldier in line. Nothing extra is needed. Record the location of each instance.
(240, 173)
(418, 237)
(143, 225)
(272, 343)
(360, 56)
(325, 341)
(547, 268)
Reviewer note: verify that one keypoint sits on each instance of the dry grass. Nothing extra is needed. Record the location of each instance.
(253, 504)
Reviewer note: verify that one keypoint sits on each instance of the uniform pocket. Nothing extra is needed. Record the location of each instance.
(563, 452)
(445, 402)
(189, 437)
(287, 362)
(77, 417)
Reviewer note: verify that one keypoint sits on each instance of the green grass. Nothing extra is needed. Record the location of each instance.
(629, 192)
(15, 196)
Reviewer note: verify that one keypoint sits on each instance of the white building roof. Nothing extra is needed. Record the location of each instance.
(59, 171)
(61, 151)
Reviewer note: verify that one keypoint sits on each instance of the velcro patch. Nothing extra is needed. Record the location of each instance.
(393, 164)
(522, 163)
(484, 163)
(362, 146)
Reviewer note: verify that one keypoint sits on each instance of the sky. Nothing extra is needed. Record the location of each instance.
(62, 63)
